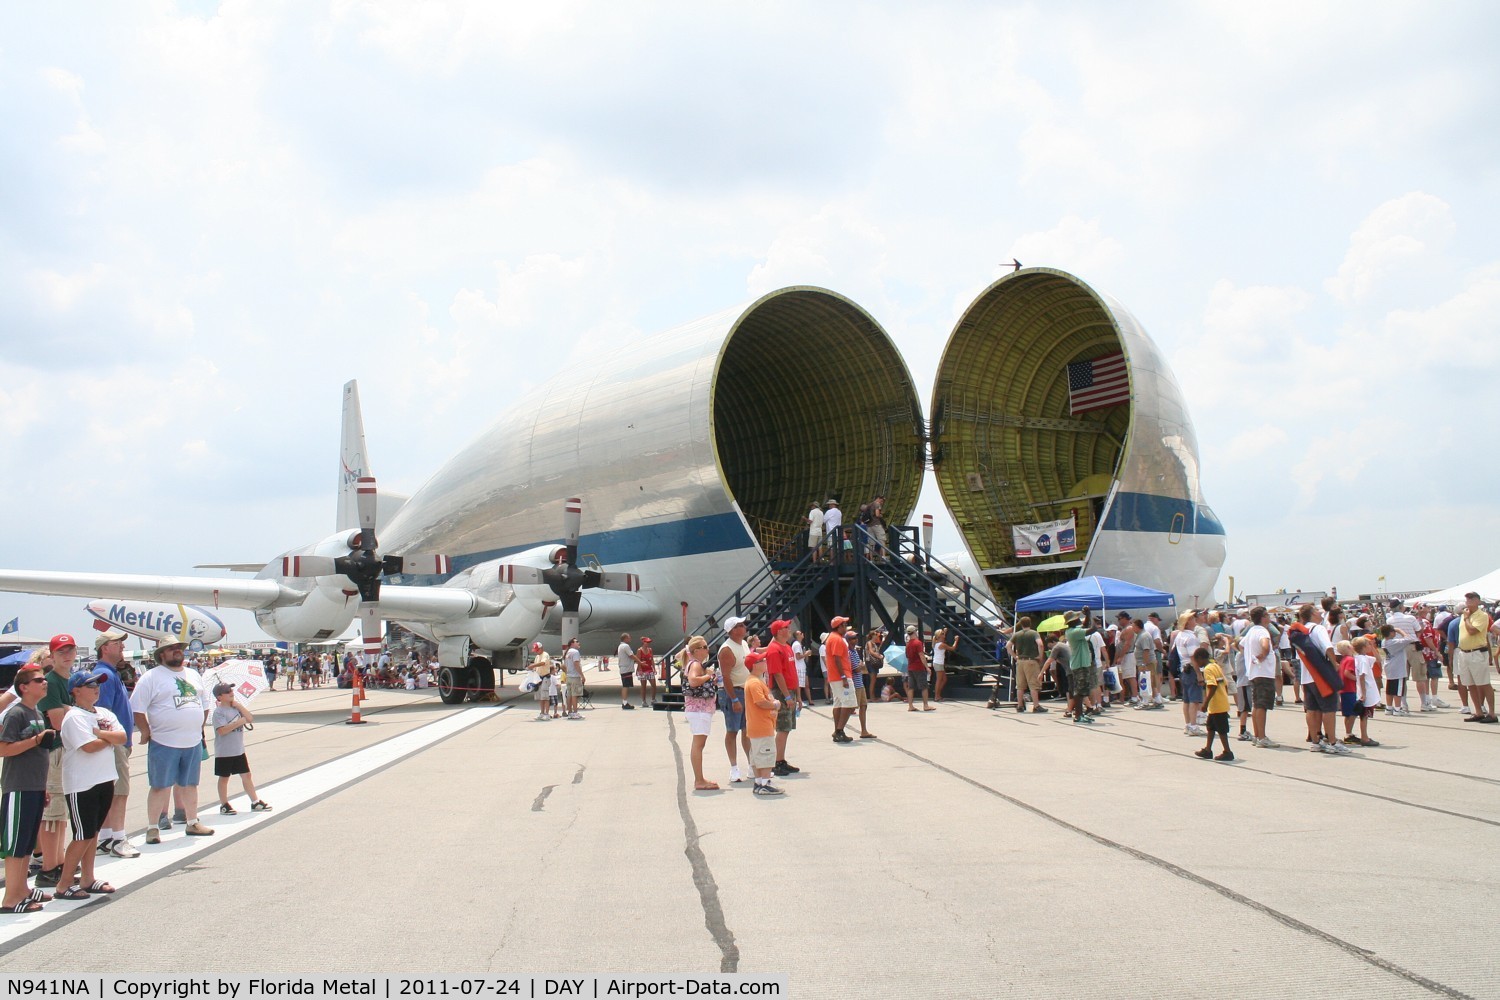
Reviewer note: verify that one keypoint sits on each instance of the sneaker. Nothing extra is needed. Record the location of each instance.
(196, 829)
(153, 835)
(540, 717)
(780, 769)
(1078, 720)
(575, 717)
(1038, 709)
(1088, 720)
(734, 773)
(163, 822)
(103, 848)
(628, 707)
(1352, 740)
(792, 768)
(768, 789)
(49, 876)
(1440, 703)
(260, 806)
(1244, 736)
(1205, 753)
(1341, 748)
(225, 809)
(1321, 746)
(122, 848)
(1020, 708)
(178, 816)
(1202, 718)
(1227, 755)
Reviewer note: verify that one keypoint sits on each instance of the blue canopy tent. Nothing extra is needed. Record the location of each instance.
(16, 659)
(1097, 593)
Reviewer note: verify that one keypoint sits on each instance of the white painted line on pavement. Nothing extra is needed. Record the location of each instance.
(178, 848)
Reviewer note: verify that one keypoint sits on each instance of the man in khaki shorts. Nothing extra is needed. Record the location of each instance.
(53, 706)
(1026, 647)
(1472, 661)
(109, 647)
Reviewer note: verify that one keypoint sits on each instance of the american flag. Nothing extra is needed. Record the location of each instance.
(1095, 384)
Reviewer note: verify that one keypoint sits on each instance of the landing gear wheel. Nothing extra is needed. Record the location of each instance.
(453, 684)
(484, 679)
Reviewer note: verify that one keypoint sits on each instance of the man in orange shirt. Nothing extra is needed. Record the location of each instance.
(840, 677)
(760, 723)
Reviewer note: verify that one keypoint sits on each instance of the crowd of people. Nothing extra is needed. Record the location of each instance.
(1214, 664)
(67, 732)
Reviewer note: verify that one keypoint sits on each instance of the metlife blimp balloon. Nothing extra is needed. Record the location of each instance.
(153, 621)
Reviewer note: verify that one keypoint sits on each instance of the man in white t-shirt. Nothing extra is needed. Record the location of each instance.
(573, 678)
(1261, 665)
(815, 529)
(171, 704)
(1416, 669)
(833, 531)
(626, 655)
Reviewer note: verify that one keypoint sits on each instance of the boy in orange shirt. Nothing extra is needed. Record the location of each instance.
(760, 723)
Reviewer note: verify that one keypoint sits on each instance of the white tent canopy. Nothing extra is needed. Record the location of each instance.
(1487, 587)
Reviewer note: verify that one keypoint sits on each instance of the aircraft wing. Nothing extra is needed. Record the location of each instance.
(432, 604)
(209, 591)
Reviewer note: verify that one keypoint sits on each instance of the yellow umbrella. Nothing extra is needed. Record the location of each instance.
(1054, 624)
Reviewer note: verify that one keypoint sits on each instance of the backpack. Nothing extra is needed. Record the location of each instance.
(866, 514)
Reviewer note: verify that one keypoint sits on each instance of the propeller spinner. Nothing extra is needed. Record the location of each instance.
(564, 577)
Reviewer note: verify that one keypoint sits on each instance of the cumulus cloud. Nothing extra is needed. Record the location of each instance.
(1398, 234)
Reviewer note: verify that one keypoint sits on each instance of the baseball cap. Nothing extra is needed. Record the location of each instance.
(61, 641)
(81, 677)
(223, 689)
(536, 647)
(839, 620)
(754, 657)
(108, 635)
(733, 622)
(911, 630)
(779, 624)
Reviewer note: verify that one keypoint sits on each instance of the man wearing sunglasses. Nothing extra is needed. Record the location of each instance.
(24, 742)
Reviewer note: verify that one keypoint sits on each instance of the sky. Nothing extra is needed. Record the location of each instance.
(213, 215)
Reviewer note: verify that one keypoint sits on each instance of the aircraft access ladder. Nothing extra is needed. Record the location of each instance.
(907, 585)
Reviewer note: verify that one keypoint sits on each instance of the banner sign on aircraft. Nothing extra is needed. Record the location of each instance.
(155, 621)
(1046, 538)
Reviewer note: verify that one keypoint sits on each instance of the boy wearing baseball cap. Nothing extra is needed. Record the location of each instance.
(90, 732)
(230, 720)
(760, 723)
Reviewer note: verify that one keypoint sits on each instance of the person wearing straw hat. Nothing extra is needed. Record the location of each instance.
(171, 705)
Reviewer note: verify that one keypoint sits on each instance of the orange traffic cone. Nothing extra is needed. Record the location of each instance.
(354, 719)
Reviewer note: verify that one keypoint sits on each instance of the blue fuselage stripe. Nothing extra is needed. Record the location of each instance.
(691, 536)
(1168, 515)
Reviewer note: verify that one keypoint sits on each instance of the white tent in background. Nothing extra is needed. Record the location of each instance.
(1487, 587)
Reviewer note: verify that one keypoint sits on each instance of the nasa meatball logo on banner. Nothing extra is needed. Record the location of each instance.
(1044, 538)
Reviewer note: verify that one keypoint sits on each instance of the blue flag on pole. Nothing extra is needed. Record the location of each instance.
(14, 625)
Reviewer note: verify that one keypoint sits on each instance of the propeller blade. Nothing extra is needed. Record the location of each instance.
(419, 564)
(365, 497)
(618, 581)
(521, 576)
(308, 566)
(572, 521)
(369, 628)
(569, 627)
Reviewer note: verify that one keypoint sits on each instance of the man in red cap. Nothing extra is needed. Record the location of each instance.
(840, 678)
(54, 707)
(781, 669)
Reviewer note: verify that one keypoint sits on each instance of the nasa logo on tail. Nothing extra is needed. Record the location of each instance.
(156, 621)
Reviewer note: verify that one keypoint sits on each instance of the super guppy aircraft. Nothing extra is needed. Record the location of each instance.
(698, 451)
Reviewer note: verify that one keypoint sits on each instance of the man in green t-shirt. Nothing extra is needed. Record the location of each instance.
(1026, 649)
(54, 705)
(1080, 657)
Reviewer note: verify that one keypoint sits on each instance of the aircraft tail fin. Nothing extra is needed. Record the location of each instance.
(352, 458)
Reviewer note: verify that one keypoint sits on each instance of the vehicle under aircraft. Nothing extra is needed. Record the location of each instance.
(689, 482)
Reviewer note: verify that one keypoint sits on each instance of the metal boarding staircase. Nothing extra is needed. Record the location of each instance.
(904, 585)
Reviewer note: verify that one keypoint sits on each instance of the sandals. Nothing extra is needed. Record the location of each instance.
(710, 787)
(38, 896)
(868, 736)
(102, 887)
(71, 893)
(25, 906)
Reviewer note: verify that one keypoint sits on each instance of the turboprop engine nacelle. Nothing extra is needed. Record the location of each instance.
(331, 602)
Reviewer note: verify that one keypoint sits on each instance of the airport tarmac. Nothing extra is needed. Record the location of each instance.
(965, 853)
